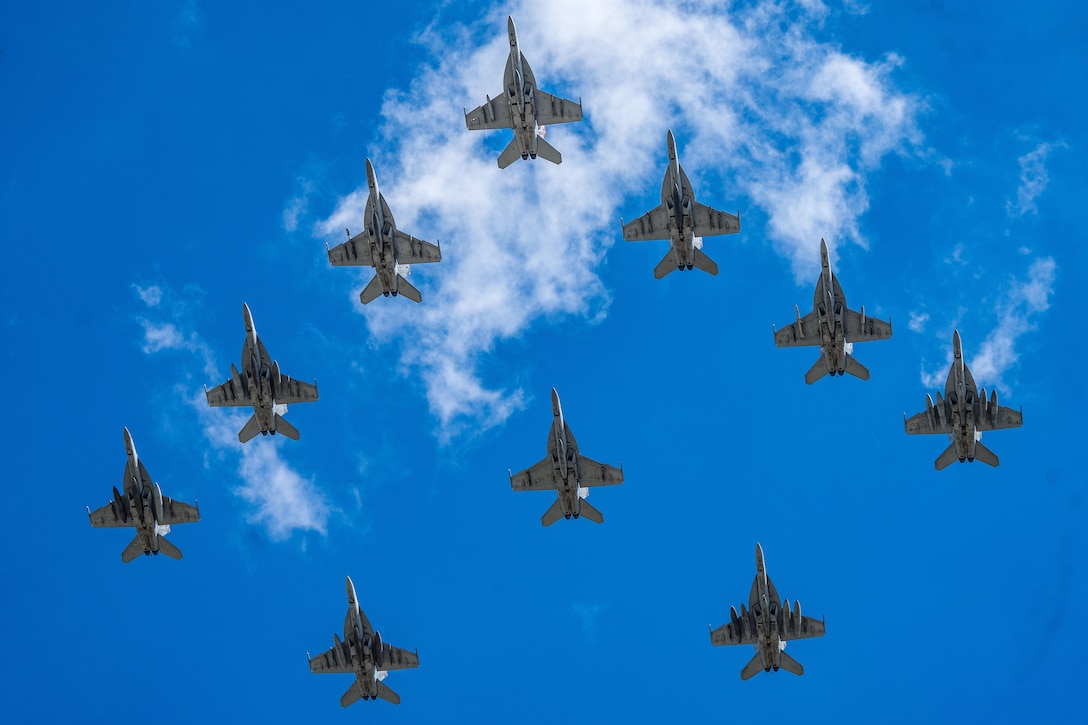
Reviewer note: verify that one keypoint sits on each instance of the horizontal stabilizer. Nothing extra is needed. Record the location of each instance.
(704, 262)
(386, 694)
(856, 369)
(134, 549)
(817, 371)
(754, 666)
(405, 289)
(984, 454)
(546, 151)
(165, 547)
(587, 511)
(789, 664)
(286, 429)
(553, 514)
(510, 154)
(251, 429)
(666, 265)
(945, 459)
(352, 695)
(372, 291)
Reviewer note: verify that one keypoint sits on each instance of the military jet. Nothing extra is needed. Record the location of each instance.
(261, 385)
(524, 108)
(566, 471)
(832, 326)
(143, 507)
(680, 219)
(385, 248)
(363, 654)
(768, 624)
(963, 414)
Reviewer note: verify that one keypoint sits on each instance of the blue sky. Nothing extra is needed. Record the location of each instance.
(163, 163)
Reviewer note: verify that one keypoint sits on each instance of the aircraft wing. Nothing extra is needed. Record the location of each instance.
(800, 627)
(178, 512)
(654, 224)
(553, 109)
(226, 394)
(926, 422)
(493, 114)
(295, 391)
(597, 474)
(104, 517)
(337, 660)
(1006, 418)
(708, 222)
(353, 252)
(410, 250)
(728, 634)
(395, 658)
(539, 477)
(800, 333)
(871, 329)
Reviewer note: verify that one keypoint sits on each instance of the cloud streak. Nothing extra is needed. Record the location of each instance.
(1033, 180)
(762, 111)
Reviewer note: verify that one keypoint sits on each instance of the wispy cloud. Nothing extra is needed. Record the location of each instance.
(918, 321)
(1033, 179)
(298, 205)
(282, 501)
(762, 110)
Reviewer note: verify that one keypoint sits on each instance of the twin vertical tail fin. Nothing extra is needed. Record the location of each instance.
(251, 429)
(704, 262)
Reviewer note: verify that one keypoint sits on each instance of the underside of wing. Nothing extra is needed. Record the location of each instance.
(744, 632)
(708, 222)
(539, 477)
(295, 391)
(796, 626)
(178, 512)
(355, 252)
(395, 658)
(859, 330)
(337, 660)
(654, 224)
(410, 250)
(927, 422)
(800, 333)
(106, 517)
(1005, 418)
(553, 109)
(597, 474)
(227, 395)
(491, 115)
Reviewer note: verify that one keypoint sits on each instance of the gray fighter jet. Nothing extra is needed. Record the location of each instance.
(832, 326)
(363, 654)
(143, 507)
(261, 385)
(963, 414)
(566, 471)
(524, 108)
(767, 624)
(385, 248)
(680, 219)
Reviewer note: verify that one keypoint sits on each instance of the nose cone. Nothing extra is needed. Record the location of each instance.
(825, 259)
(351, 591)
(511, 30)
(247, 316)
(557, 409)
(957, 348)
(130, 447)
(759, 557)
(672, 144)
(371, 178)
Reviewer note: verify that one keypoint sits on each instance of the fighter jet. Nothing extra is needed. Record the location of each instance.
(143, 507)
(680, 219)
(363, 654)
(963, 414)
(524, 108)
(566, 471)
(833, 327)
(385, 248)
(261, 385)
(768, 624)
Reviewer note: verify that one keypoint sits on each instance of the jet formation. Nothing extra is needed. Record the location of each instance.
(833, 326)
(143, 507)
(679, 218)
(963, 414)
(362, 653)
(262, 385)
(524, 108)
(767, 624)
(567, 472)
(384, 247)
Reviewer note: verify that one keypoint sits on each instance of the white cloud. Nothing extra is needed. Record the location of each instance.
(151, 295)
(918, 321)
(1033, 180)
(298, 205)
(791, 124)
